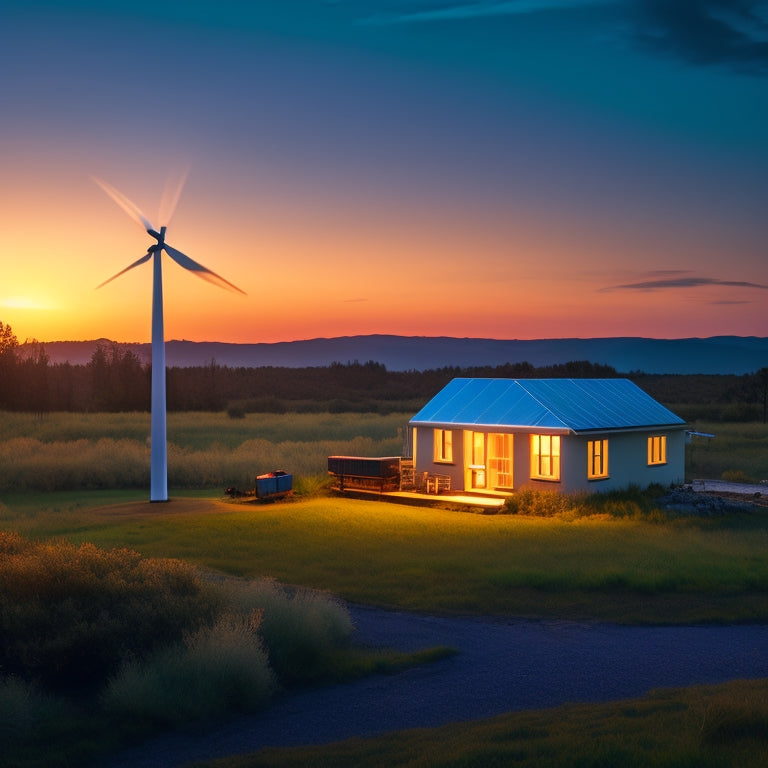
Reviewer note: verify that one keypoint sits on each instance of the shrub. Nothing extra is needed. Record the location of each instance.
(217, 669)
(69, 615)
(236, 412)
(629, 503)
(24, 710)
(527, 501)
(301, 628)
(311, 485)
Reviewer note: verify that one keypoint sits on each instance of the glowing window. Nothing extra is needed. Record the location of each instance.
(443, 445)
(657, 449)
(545, 457)
(597, 459)
(478, 449)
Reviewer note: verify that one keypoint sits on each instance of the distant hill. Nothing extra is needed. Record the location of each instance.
(713, 355)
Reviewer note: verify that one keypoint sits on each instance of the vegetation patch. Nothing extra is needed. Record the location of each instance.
(653, 504)
(98, 646)
(665, 569)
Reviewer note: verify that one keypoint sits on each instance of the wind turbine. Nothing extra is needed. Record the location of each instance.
(159, 451)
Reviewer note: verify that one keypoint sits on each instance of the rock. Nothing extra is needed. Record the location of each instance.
(689, 502)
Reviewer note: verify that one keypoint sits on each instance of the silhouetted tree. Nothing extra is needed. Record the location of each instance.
(762, 379)
(32, 376)
(9, 345)
(119, 381)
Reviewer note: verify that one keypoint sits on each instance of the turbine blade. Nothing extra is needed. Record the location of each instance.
(171, 193)
(131, 209)
(136, 263)
(198, 269)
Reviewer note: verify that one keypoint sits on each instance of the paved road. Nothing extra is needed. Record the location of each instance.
(502, 665)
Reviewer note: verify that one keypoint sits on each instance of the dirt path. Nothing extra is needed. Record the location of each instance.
(502, 665)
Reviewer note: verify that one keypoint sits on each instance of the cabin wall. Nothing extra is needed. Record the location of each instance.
(627, 461)
(424, 456)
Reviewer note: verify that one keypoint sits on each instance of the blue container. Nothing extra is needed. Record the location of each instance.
(272, 483)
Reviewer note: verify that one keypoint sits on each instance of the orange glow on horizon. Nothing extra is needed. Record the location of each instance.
(334, 267)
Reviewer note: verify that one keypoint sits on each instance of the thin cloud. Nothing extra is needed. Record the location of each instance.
(702, 32)
(682, 282)
(732, 32)
(416, 12)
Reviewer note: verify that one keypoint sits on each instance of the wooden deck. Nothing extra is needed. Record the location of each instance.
(428, 499)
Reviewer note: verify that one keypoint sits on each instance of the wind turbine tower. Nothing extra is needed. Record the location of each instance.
(159, 450)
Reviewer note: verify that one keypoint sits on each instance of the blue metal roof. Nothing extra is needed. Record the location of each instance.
(577, 405)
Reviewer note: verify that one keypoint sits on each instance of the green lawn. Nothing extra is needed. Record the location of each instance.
(442, 560)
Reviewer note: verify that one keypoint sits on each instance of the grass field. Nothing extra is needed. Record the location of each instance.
(73, 451)
(670, 571)
(69, 451)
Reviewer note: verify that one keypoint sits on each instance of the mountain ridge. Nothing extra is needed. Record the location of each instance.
(707, 355)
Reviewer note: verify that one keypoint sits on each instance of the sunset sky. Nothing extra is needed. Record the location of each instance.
(487, 168)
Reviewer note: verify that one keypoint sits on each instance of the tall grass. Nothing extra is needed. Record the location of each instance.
(217, 669)
(201, 430)
(31, 465)
(300, 627)
(210, 450)
(738, 450)
(633, 503)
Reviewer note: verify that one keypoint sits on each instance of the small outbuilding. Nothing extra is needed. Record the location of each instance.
(498, 435)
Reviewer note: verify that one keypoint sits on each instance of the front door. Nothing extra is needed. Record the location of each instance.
(475, 470)
(500, 447)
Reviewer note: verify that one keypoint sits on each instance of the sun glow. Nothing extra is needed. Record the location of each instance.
(25, 302)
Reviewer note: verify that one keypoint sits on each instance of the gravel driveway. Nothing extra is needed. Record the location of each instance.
(502, 665)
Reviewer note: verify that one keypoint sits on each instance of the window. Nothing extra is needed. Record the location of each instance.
(657, 449)
(443, 445)
(478, 449)
(545, 457)
(597, 459)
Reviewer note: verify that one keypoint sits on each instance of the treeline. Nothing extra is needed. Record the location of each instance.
(115, 379)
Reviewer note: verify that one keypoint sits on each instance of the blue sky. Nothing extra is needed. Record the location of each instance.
(512, 169)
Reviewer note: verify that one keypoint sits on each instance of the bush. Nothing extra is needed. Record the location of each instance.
(24, 710)
(301, 628)
(311, 485)
(218, 669)
(629, 503)
(168, 646)
(69, 615)
(527, 501)
(236, 412)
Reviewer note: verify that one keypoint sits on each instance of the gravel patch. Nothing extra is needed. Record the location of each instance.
(689, 502)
